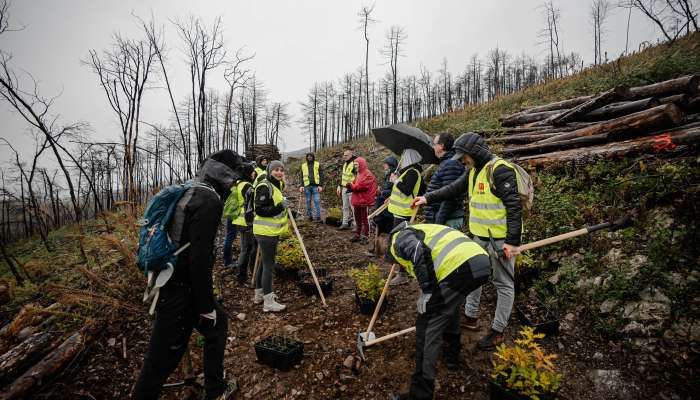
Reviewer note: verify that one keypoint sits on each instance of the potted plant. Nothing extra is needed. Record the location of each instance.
(290, 258)
(334, 217)
(524, 371)
(279, 352)
(369, 284)
(538, 316)
(526, 270)
(308, 286)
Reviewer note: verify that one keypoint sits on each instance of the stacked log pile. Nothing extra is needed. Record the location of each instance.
(619, 122)
(268, 150)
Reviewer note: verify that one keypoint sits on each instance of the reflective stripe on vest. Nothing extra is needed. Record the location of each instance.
(240, 220)
(271, 226)
(348, 176)
(486, 211)
(399, 203)
(305, 173)
(449, 248)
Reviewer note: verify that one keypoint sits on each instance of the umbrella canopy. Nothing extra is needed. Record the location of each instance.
(399, 137)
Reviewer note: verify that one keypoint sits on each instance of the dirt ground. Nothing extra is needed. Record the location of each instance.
(109, 368)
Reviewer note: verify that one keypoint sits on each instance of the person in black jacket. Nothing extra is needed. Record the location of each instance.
(187, 301)
(451, 211)
(505, 222)
(246, 260)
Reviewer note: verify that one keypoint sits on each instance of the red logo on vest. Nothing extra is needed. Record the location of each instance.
(481, 186)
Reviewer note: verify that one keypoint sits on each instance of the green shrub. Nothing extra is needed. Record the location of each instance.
(289, 254)
(368, 282)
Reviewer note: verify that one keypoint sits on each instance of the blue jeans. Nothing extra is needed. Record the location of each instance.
(231, 231)
(312, 191)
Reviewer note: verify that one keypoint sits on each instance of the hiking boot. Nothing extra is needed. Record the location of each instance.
(470, 323)
(231, 388)
(258, 297)
(364, 240)
(271, 304)
(355, 239)
(344, 227)
(490, 341)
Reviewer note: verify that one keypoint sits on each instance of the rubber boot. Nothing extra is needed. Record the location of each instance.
(271, 305)
(258, 297)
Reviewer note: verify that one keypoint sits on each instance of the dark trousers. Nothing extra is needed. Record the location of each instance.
(175, 319)
(231, 231)
(268, 252)
(246, 260)
(441, 320)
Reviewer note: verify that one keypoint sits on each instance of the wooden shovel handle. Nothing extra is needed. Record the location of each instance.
(306, 256)
(381, 300)
(389, 336)
(378, 211)
(553, 239)
(255, 266)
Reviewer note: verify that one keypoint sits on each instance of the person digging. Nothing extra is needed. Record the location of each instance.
(495, 212)
(448, 265)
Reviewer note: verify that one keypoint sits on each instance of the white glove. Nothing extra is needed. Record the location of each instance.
(422, 303)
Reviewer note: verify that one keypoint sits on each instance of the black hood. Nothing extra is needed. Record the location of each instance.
(313, 157)
(221, 170)
(475, 146)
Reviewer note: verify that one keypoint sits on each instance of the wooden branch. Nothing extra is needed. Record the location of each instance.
(644, 121)
(22, 356)
(619, 109)
(685, 84)
(523, 118)
(559, 105)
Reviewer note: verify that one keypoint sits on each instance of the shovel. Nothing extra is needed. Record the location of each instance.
(365, 337)
(306, 256)
(621, 223)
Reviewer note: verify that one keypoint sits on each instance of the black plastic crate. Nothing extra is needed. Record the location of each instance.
(498, 392)
(308, 286)
(287, 273)
(332, 221)
(279, 352)
(367, 306)
(547, 322)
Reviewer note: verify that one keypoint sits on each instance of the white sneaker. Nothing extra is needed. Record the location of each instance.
(258, 297)
(270, 303)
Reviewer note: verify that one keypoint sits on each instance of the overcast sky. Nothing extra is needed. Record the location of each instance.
(296, 44)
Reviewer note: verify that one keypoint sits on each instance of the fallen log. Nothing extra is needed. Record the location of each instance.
(523, 118)
(681, 100)
(24, 355)
(619, 109)
(684, 84)
(603, 99)
(558, 105)
(650, 144)
(522, 138)
(50, 365)
(659, 117)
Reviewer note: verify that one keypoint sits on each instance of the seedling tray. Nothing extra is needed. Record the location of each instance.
(287, 273)
(525, 277)
(279, 352)
(367, 306)
(308, 286)
(332, 221)
(539, 317)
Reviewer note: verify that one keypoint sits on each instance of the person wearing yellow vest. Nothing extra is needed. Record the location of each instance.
(407, 184)
(494, 211)
(270, 222)
(347, 175)
(246, 259)
(311, 178)
(260, 169)
(447, 265)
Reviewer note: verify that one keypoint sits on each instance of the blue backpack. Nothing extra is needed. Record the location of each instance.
(156, 250)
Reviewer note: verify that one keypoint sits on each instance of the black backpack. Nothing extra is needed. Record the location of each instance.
(249, 206)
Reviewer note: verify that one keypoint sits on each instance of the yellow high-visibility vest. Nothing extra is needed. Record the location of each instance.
(305, 173)
(399, 203)
(449, 248)
(240, 188)
(271, 226)
(486, 211)
(348, 176)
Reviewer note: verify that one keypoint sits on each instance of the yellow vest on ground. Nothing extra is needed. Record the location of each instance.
(305, 173)
(449, 248)
(348, 176)
(271, 226)
(240, 220)
(399, 203)
(486, 211)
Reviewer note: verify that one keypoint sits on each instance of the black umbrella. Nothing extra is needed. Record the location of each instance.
(399, 137)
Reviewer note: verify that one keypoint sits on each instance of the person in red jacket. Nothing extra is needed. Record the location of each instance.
(364, 189)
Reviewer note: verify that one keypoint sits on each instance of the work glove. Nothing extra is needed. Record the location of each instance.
(422, 303)
(208, 320)
(286, 203)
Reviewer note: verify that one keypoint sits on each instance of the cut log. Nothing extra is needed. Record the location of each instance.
(523, 118)
(603, 99)
(559, 105)
(50, 365)
(628, 148)
(24, 355)
(522, 138)
(616, 110)
(659, 117)
(685, 84)
(681, 100)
